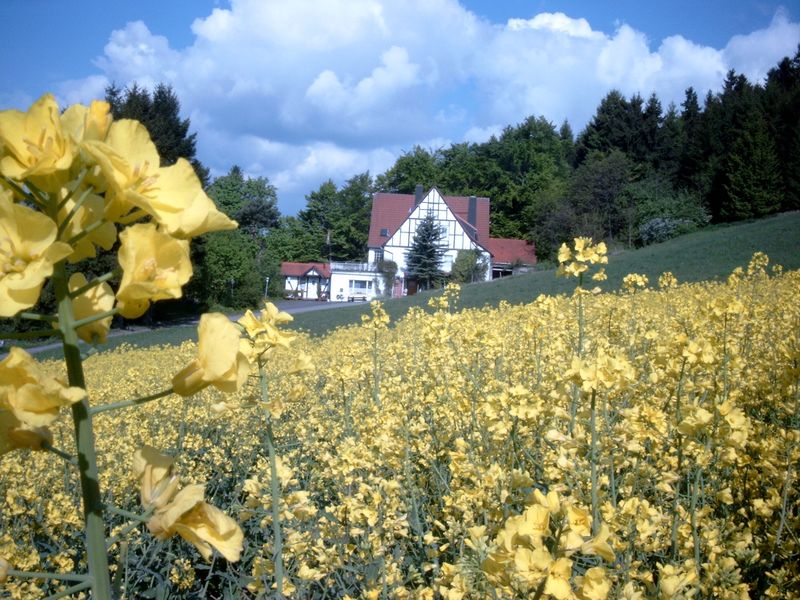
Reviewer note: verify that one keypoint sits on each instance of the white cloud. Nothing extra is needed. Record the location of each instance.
(135, 54)
(479, 135)
(757, 52)
(80, 90)
(394, 74)
(556, 23)
(302, 91)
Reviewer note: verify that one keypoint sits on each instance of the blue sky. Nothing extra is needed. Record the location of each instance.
(307, 90)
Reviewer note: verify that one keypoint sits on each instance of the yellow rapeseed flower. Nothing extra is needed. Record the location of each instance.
(172, 195)
(199, 523)
(96, 300)
(154, 267)
(221, 358)
(85, 123)
(158, 484)
(33, 396)
(34, 145)
(15, 434)
(28, 251)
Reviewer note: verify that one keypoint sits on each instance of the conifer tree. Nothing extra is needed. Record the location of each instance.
(424, 259)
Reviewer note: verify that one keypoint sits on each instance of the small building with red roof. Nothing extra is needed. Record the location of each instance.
(310, 281)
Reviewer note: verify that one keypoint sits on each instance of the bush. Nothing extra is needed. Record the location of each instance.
(661, 229)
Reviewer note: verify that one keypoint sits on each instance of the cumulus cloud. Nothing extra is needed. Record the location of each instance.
(304, 91)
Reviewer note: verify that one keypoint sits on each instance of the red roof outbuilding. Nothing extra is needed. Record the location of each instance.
(508, 251)
(300, 269)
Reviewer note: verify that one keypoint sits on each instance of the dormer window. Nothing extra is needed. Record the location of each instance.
(384, 232)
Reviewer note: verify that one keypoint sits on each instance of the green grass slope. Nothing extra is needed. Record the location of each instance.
(704, 255)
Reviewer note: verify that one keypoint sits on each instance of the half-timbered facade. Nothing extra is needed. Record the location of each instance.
(459, 227)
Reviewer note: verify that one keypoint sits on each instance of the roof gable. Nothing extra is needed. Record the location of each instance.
(298, 269)
(390, 211)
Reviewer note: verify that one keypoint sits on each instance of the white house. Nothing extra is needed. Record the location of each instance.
(393, 226)
(465, 220)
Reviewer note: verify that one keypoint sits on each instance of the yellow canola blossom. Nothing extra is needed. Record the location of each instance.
(87, 123)
(28, 251)
(203, 525)
(30, 393)
(222, 358)
(154, 267)
(36, 146)
(264, 330)
(158, 484)
(96, 300)
(172, 195)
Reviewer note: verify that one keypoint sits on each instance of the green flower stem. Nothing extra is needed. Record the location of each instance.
(71, 193)
(130, 527)
(593, 460)
(693, 518)
(93, 508)
(96, 317)
(71, 215)
(679, 443)
(96, 410)
(21, 191)
(275, 491)
(95, 282)
(132, 217)
(45, 575)
(37, 317)
(86, 231)
(27, 335)
(70, 590)
(66, 456)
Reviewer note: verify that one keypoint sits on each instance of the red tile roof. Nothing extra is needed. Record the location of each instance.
(389, 211)
(507, 251)
(298, 269)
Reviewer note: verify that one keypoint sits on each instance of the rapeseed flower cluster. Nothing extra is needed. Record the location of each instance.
(472, 475)
(72, 182)
(583, 446)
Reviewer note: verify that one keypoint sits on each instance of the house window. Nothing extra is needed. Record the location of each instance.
(357, 284)
(384, 232)
(379, 255)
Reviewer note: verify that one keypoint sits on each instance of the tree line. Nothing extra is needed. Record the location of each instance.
(636, 174)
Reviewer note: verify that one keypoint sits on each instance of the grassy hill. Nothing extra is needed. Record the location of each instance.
(708, 254)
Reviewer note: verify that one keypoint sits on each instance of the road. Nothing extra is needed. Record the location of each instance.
(292, 307)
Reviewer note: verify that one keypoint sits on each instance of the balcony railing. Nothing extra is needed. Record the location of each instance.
(354, 267)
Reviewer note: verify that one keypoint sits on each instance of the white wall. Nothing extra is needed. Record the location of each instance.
(346, 282)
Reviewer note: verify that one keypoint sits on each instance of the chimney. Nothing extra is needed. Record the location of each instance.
(418, 194)
(472, 212)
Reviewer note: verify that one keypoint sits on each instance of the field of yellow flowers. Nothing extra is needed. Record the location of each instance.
(640, 444)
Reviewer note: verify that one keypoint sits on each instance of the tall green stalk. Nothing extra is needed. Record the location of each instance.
(93, 509)
(593, 461)
(275, 491)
